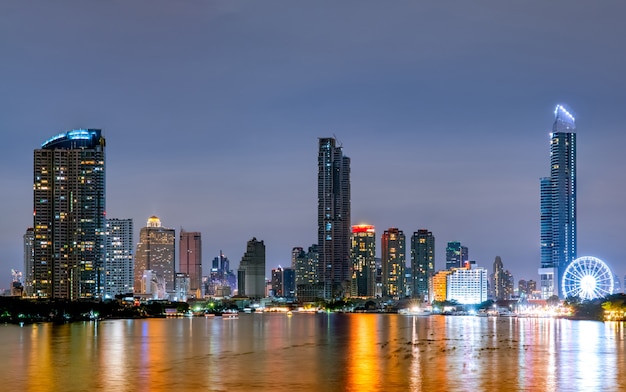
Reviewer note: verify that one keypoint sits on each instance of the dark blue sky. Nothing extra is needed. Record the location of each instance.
(212, 112)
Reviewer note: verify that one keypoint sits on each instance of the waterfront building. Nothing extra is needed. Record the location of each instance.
(422, 263)
(283, 282)
(118, 265)
(467, 285)
(29, 261)
(251, 272)
(456, 255)
(558, 205)
(393, 252)
(363, 257)
(501, 281)
(439, 291)
(333, 219)
(190, 260)
(304, 265)
(156, 252)
(182, 286)
(69, 216)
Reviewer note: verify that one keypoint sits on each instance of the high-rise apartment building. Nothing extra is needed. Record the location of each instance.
(119, 265)
(393, 255)
(154, 260)
(190, 260)
(502, 283)
(69, 215)
(29, 261)
(363, 257)
(456, 255)
(333, 219)
(251, 272)
(422, 263)
(558, 205)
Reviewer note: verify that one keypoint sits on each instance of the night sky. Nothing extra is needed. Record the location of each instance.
(212, 111)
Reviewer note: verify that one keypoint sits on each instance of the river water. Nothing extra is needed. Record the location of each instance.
(315, 352)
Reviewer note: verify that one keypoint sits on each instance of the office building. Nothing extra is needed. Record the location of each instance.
(29, 261)
(251, 272)
(190, 260)
(393, 252)
(456, 255)
(119, 264)
(558, 205)
(422, 263)
(154, 260)
(69, 216)
(333, 219)
(363, 258)
(283, 282)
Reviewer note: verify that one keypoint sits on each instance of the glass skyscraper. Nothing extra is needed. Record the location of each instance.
(154, 260)
(69, 222)
(333, 219)
(558, 205)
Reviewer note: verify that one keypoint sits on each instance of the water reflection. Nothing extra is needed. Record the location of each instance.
(316, 352)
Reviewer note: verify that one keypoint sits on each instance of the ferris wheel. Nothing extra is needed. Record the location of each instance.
(587, 278)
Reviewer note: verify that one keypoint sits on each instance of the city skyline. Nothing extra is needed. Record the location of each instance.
(238, 96)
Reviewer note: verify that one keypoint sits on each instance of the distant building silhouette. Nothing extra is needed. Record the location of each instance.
(251, 272)
(190, 260)
(456, 255)
(29, 261)
(154, 260)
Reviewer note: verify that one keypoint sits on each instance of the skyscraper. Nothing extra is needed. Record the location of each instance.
(333, 219)
(251, 272)
(393, 261)
(69, 215)
(558, 205)
(29, 261)
(363, 257)
(502, 281)
(422, 263)
(190, 260)
(456, 255)
(118, 265)
(154, 259)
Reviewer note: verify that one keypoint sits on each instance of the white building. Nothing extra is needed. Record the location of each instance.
(119, 266)
(467, 286)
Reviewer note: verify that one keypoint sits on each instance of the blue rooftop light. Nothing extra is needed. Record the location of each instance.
(82, 136)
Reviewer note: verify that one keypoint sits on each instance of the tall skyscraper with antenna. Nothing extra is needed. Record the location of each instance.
(558, 204)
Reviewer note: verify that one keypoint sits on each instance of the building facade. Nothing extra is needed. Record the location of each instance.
(251, 272)
(558, 205)
(422, 263)
(154, 260)
(467, 286)
(119, 265)
(363, 257)
(69, 222)
(393, 259)
(190, 260)
(333, 219)
(456, 255)
(29, 261)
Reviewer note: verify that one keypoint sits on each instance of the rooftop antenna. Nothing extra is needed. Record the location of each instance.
(337, 139)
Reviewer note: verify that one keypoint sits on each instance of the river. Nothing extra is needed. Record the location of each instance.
(315, 352)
